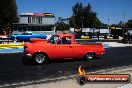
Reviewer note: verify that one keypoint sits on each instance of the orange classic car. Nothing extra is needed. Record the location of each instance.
(60, 46)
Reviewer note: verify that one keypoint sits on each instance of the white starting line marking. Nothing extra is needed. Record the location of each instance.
(126, 86)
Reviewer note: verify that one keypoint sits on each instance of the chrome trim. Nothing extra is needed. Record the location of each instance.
(28, 55)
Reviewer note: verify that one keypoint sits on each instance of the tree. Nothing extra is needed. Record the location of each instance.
(102, 25)
(120, 24)
(129, 23)
(8, 14)
(61, 25)
(87, 15)
(72, 21)
(78, 15)
(114, 25)
(83, 17)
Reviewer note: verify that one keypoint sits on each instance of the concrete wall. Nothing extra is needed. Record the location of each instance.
(45, 20)
(48, 21)
(23, 20)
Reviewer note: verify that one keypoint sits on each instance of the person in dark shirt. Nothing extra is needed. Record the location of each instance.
(98, 35)
(128, 37)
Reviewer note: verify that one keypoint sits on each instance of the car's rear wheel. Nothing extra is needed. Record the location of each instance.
(17, 40)
(40, 58)
(89, 55)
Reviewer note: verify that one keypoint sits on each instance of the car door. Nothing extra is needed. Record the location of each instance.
(64, 49)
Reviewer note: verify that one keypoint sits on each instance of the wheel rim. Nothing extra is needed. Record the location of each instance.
(15, 40)
(89, 56)
(40, 58)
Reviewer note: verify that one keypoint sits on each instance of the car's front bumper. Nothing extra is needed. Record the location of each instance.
(100, 54)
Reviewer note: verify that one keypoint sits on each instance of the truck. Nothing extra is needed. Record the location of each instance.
(59, 47)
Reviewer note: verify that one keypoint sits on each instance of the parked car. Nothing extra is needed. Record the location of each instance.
(60, 46)
(26, 36)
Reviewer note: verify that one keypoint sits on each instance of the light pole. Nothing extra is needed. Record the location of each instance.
(123, 29)
(109, 24)
(82, 23)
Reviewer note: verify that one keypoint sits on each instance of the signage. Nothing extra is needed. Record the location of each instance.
(38, 14)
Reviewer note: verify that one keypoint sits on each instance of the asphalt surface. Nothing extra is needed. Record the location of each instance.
(13, 71)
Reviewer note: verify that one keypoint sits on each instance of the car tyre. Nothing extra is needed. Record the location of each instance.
(17, 40)
(40, 58)
(89, 55)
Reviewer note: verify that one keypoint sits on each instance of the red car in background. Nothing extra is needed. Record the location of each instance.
(60, 46)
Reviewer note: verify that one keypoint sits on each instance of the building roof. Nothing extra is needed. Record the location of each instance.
(30, 24)
(37, 14)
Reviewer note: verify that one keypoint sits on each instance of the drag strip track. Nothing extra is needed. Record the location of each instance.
(13, 71)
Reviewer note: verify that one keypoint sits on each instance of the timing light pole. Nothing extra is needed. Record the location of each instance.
(82, 23)
(109, 24)
(123, 35)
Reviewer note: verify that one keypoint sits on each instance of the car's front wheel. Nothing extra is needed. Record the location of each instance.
(89, 55)
(40, 58)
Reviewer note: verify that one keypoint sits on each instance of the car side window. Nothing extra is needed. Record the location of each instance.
(53, 39)
(56, 39)
(26, 33)
(65, 40)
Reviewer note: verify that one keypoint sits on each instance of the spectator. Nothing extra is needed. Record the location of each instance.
(98, 35)
(63, 40)
(125, 38)
(128, 37)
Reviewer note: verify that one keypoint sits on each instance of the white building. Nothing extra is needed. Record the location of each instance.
(35, 22)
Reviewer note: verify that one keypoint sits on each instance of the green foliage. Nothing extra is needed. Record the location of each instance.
(8, 13)
(78, 14)
(129, 23)
(83, 17)
(114, 25)
(61, 24)
(120, 24)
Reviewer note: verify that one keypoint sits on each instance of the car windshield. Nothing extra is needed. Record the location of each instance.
(15, 34)
(26, 33)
